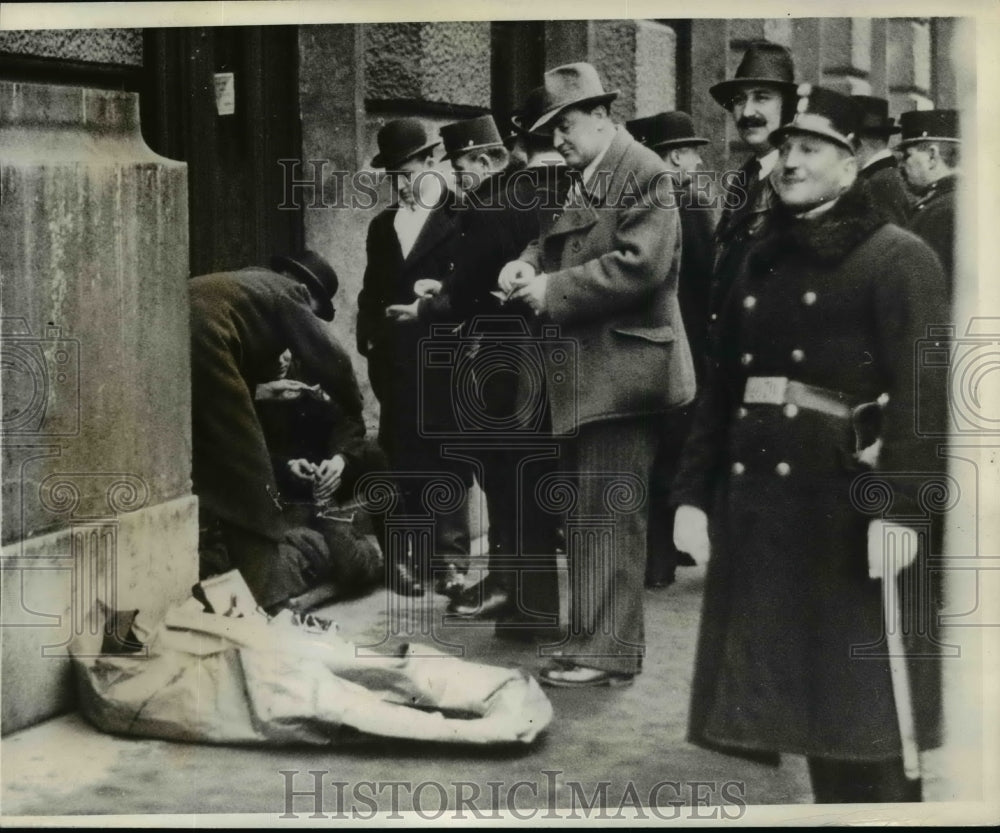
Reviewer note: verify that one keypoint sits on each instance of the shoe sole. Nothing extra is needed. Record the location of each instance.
(606, 682)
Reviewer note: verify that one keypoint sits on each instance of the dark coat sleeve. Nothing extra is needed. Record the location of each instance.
(694, 289)
(372, 299)
(936, 225)
(909, 297)
(889, 195)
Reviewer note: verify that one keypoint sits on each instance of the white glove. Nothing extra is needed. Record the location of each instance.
(691, 533)
(891, 547)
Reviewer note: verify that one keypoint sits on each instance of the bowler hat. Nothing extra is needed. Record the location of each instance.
(929, 126)
(571, 85)
(763, 63)
(311, 270)
(875, 119)
(665, 130)
(822, 112)
(470, 134)
(532, 111)
(399, 141)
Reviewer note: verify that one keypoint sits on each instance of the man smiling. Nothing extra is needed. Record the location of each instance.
(818, 334)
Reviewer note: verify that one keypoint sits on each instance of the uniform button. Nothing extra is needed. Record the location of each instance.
(714, 316)
(791, 410)
(798, 355)
(809, 299)
(738, 468)
(746, 359)
(749, 302)
(783, 469)
(741, 413)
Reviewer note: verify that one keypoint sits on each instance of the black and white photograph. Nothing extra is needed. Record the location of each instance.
(489, 414)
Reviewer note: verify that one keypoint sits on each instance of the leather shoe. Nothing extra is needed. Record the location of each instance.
(580, 676)
(449, 582)
(491, 604)
(403, 581)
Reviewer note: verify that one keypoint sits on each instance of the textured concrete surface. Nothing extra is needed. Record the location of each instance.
(103, 46)
(418, 61)
(139, 559)
(96, 383)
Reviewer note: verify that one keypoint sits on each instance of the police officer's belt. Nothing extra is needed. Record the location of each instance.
(780, 390)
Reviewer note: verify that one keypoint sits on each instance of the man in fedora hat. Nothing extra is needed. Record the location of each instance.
(498, 219)
(758, 97)
(672, 136)
(931, 152)
(817, 336)
(605, 271)
(241, 322)
(877, 165)
(414, 239)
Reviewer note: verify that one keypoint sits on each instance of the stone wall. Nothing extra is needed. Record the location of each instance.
(100, 46)
(96, 409)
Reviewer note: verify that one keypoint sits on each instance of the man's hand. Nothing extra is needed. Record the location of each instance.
(328, 477)
(402, 312)
(532, 292)
(891, 548)
(426, 288)
(515, 274)
(280, 389)
(691, 533)
(302, 469)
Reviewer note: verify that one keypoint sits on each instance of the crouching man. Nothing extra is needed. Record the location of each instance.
(817, 336)
(241, 322)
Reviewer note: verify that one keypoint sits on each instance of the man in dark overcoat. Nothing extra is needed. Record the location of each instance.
(758, 97)
(819, 332)
(931, 151)
(672, 136)
(605, 271)
(241, 322)
(414, 239)
(877, 164)
(498, 217)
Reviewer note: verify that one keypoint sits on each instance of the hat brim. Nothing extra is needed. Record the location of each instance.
(379, 161)
(592, 100)
(521, 130)
(778, 136)
(723, 91)
(679, 143)
(913, 140)
(454, 154)
(309, 279)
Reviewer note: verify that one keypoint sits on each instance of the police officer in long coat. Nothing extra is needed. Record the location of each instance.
(821, 326)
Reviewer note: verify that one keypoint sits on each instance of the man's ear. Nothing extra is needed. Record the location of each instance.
(674, 156)
(933, 155)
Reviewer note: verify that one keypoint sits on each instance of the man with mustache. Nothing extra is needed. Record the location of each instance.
(817, 336)
(758, 98)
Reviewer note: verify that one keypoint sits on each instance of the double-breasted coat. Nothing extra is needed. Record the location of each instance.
(838, 303)
(612, 264)
(392, 348)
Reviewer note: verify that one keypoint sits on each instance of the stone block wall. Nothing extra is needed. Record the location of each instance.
(96, 407)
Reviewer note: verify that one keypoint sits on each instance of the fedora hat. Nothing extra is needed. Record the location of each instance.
(763, 63)
(665, 130)
(824, 113)
(571, 85)
(530, 112)
(929, 126)
(875, 119)
(470, 134)
(400, 140)
(311, 270)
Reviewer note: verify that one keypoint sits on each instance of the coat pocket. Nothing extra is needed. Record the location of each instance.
(658, 335)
